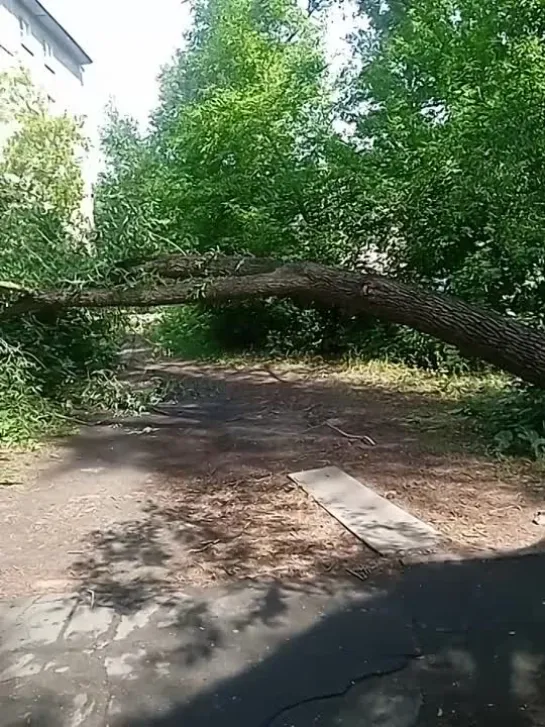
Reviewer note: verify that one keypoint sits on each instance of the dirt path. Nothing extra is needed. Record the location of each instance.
(197, 492)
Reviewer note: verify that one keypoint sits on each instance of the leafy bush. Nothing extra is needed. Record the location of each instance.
(51, 362)
(513, 420)
(185, 332)
(271, 327)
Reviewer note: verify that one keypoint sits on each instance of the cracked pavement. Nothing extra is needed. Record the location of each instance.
(441, 644)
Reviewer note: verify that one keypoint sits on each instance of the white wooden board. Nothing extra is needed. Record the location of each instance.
(383, 526)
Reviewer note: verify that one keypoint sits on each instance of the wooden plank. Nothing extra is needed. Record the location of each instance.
(383, 526)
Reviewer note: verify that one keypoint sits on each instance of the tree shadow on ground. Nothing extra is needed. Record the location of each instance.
(444, 643)
(455, 644)
(224, 420)
(175, 547)
(219, 505)
(44, 711)
(20, 706)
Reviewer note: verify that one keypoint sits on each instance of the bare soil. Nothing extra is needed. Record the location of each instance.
(197, 491)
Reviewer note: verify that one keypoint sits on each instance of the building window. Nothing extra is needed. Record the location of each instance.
(48, 56)
(24, 28)
(25, 33)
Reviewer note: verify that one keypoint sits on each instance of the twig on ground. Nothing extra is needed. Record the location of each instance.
(360, 437)
(92, 594)
(274, 375)
(505, 507)
(315, 426)
(357, 575)
(207, 545)
(211, 543)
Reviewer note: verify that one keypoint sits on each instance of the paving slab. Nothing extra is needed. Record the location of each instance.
(399, 652)
(35, 622)
(132, 668)
(379, 523)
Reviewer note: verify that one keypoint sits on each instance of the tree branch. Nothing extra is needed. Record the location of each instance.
(179, 266)
(475, 331)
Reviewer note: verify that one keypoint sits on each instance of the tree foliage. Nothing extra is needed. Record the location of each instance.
(44, 360)
(422, 160)
(239, 152)
(455, 93)
(41, 186)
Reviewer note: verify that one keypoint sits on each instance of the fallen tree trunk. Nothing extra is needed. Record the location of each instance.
(516, 348)
(179, 266)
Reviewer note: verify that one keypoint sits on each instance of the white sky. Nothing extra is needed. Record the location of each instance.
(129, 41)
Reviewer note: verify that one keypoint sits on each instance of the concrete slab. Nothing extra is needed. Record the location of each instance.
(400, 652)
(39, 623)
(378, 522)
(87, 623)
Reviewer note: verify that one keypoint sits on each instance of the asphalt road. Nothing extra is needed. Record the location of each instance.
(442, 644)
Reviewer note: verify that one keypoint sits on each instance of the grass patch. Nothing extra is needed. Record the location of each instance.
(503, 416)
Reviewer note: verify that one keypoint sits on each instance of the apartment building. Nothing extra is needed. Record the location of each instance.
(30, 36)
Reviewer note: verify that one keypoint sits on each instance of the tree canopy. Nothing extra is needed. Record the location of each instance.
(421, 161)
(454, 95)
(236, 157)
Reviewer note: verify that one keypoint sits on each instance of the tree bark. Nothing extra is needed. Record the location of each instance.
(179, 266)
(516, 348)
